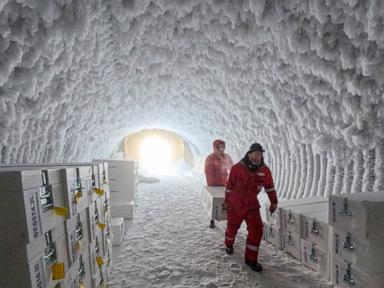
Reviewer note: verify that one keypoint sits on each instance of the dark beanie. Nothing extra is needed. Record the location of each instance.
(255, 147)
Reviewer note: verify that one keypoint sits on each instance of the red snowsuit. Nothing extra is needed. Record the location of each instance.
(241, 197)
(217, 167)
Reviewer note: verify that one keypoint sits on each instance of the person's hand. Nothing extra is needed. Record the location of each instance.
(225, 206)
(272, 208)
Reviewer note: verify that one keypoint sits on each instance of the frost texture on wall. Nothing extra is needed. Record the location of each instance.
(304, 78)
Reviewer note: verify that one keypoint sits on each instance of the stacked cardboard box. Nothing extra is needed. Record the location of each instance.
(123, 182)
(315, 248)
(300, 227)
(280, 228)
(117, 226)
(357, 240)
(292, 224)
(55, 226)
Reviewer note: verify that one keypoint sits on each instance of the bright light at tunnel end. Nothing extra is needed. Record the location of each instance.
(155, 156)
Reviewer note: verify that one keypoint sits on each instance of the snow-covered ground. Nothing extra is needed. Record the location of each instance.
(169, 244)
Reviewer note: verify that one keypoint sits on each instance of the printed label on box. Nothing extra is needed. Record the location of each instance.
(337, 276)
(32, 208)
(333, 212)
(72, 245)
(37, 275)
(72, 201)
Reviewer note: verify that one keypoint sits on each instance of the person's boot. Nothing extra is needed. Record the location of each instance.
(229, 250)
(254, 265)
(212, 224)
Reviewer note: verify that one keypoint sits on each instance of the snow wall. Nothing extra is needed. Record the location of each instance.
(303, 78)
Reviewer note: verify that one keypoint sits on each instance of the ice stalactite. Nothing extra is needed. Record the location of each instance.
(331, 171)
(273, 161)
(284, 175)
(308, 174)
(291, 177)
(323, 174)
(279, 169)
(339, 172)
(369, 170)
(310, 171)
(316, 175)
(358, 171)
(303, 172)
(379, 168)
(295, 191)
(348, 164)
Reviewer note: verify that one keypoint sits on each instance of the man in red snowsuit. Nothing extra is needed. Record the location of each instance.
(244, 183)
(217, 165)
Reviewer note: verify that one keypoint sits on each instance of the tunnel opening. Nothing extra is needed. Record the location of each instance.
(159, 152)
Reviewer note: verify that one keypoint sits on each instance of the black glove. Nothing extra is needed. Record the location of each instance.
(272, 208)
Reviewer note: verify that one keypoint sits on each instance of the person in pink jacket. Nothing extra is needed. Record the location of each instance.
(217, 165)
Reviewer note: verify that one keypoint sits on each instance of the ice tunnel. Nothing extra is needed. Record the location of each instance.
(304, 78)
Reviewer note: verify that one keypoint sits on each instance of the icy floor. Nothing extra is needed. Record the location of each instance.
(169, 244)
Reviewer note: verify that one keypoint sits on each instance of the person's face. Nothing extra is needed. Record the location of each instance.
(220, 149)
(255, 157)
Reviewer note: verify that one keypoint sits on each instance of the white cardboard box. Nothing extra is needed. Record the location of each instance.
(213, 199)
(93, 219)
(75, 176)
(291, 243)
(117, 227)
(29, 203)
(360, 213)
(101, 278)
(71, 279)
(316, 229)
(77, 232)
(32, 274)
(106, 238)
(123, 182)
(29, 260)
(276, 217)
(367, 254)
(77, 194)
(316, 258)
(14, 252)
(346, 275)
(108, 258)
(292, 219)
(292, 225)
(125, 210)
(83, 266)
(122, 190)
(272, 234)
(103, 172)
(95, 250)
(104, 209)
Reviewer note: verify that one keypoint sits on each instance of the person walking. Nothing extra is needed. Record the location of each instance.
(245, 181)
(217, 165)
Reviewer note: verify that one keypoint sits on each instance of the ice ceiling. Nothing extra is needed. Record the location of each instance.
(304, 78)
